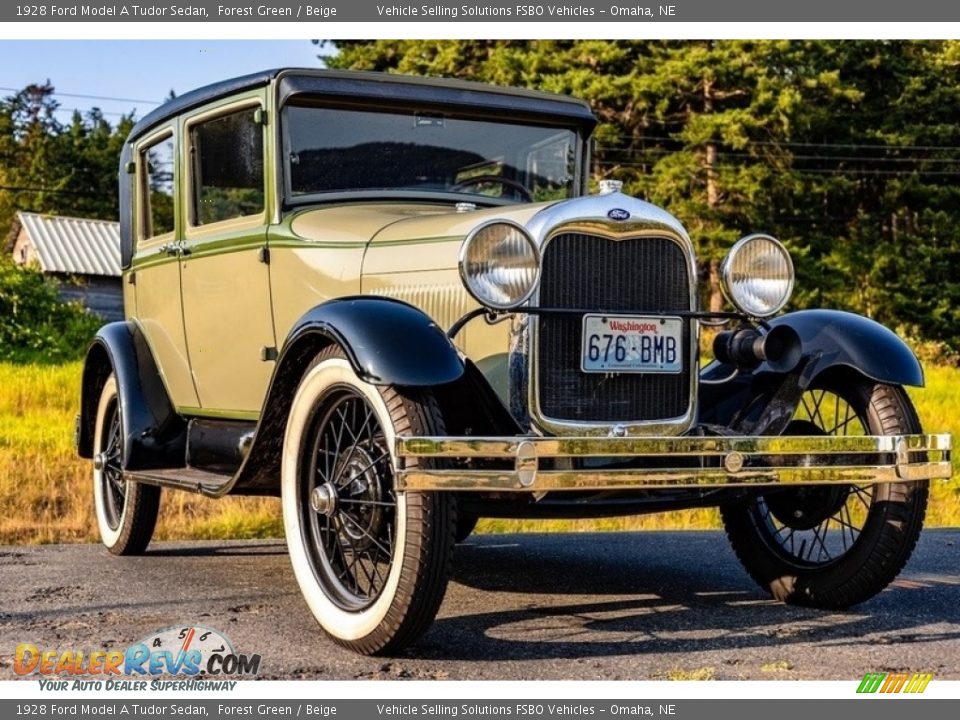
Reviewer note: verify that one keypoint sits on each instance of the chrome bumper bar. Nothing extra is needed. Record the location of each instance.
(535, 464)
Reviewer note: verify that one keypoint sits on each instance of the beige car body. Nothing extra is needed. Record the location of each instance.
(236, 308)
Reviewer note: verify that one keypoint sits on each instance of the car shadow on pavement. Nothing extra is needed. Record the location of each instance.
(636, 593)
(232, 548)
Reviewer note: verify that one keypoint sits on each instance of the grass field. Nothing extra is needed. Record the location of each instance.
(45, 490)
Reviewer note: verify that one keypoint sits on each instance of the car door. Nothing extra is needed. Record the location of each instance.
(154, 278)
(226, 283)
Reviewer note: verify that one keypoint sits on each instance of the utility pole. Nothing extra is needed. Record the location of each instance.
(713, 199)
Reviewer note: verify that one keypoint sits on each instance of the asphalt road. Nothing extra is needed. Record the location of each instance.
(597, 606)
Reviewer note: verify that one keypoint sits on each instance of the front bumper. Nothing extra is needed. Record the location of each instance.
(538, 464)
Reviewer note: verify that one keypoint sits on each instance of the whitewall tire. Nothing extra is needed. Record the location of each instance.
(126, 511)
(372, 563)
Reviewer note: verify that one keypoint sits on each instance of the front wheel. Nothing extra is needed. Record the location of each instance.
(832, 546)
(372, 563)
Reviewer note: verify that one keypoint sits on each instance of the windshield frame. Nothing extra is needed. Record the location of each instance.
(290, 200)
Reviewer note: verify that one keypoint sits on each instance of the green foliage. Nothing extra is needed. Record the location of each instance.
(219, 203)
(846, 150)
(50, 167)
(35, 325)
(62, 169)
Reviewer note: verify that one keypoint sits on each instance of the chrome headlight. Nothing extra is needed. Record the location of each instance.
(757, 275)
(500, 264)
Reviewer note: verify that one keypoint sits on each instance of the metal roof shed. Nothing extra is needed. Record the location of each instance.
(81, 255)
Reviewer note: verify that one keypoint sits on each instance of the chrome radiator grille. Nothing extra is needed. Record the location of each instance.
(648, 274)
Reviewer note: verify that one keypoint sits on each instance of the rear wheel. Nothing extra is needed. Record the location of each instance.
(126, 511)
(834, 546)
(372, 563)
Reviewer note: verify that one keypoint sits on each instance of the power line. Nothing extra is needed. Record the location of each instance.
(15, 188)
(814, 171)
(778, 143)
(102, 112)
(724, 153)
(89, 97)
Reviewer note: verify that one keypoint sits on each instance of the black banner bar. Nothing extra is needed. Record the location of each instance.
(575, 11)
(784, 709)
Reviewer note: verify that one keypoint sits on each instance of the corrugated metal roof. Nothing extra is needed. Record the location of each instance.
(73, 245)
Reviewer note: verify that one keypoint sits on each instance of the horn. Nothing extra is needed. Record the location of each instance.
(746, 348)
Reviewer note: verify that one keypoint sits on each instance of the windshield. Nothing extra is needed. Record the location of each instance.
(332, 150)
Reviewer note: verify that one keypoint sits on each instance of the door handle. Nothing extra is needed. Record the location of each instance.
(174, 249)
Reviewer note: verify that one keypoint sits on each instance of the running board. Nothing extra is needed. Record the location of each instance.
(190, 479)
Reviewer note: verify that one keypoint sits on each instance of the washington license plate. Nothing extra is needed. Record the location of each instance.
(631, 344)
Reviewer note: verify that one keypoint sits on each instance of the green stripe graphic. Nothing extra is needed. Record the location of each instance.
(871, 682)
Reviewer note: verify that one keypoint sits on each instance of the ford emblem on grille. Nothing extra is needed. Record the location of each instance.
(618, 214)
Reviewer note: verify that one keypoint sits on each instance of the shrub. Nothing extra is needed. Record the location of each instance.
(35, 324)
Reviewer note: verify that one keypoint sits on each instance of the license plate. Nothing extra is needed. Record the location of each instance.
(631, 344)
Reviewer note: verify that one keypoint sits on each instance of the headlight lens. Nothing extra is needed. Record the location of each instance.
(500, 265)
(757, 275)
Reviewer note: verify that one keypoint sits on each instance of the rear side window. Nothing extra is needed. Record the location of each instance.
(227, 159)
(156, 189)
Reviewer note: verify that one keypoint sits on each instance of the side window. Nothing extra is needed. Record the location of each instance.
(156, 188)
(227, 163)
(550, 169)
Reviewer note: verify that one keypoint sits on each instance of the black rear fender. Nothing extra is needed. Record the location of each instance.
(155, 435)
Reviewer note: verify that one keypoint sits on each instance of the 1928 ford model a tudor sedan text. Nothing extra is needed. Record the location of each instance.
(392, 302)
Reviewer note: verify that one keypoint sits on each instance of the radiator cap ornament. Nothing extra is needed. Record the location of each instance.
(610, 186)
(618, 214)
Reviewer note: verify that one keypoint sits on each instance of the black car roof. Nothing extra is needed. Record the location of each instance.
(375, 85)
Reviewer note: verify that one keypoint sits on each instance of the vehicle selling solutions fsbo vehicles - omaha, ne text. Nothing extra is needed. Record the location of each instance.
(392, 302)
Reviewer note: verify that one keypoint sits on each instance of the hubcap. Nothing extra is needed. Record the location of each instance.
(323, 499)
(99, 461)
(816, 526)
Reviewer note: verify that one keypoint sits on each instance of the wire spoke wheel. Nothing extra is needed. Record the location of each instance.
(817, 525)
(372, 563)
(126, 510)
(833, 546)
(349, 504)
(113, 485)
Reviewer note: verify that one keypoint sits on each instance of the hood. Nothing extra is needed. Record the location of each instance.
(399, 222)
(356, 223)
(402, 237)
(407, 237)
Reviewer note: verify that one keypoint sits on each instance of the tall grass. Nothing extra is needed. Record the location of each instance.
(938, 404)
(46, 493)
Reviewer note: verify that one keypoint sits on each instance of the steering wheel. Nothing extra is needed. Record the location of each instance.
(517, 187)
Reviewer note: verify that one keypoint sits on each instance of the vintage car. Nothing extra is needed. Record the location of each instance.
(393, 302)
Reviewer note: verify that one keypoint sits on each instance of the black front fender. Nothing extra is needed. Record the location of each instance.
(830, 340)
(155, 435)
(388, 342)
(853, 341)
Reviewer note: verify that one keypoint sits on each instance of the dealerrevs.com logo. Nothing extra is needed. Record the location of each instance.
(194, 652)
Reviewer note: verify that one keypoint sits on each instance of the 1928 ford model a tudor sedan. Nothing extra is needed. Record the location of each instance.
(393, 302)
